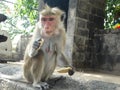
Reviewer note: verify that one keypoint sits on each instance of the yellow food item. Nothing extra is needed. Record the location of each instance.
(64, 70)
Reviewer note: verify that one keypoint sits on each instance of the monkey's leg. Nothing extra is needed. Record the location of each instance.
(37, 72)
(28, 76)
(27, 73)
(52, 67)
(49, 74)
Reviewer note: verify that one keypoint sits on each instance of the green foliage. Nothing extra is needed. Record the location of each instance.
(27, 9)
(117, 9)
(110, 12)
(21, 19)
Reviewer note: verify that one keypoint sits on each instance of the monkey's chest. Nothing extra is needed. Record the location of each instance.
(49, 49)
(50, 56)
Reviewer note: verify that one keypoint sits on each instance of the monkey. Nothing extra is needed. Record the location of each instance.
(45, 48)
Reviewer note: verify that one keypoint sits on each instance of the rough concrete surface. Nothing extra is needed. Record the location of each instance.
(79, 81)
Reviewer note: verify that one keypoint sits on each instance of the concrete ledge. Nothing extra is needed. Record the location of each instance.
(6, 84)
(63, 84)
(79, 81)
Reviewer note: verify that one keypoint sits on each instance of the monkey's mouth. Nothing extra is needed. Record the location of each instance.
(48, 32)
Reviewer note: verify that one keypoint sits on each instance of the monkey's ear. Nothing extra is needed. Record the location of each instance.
(46, 6)
(63, 16)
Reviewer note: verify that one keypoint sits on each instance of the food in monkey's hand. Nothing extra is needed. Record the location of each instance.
(41, 41)
(38, 43)
(68, 70)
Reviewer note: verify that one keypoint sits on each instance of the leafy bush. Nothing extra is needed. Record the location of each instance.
(27, 9)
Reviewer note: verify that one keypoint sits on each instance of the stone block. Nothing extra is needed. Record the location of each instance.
(5, 47)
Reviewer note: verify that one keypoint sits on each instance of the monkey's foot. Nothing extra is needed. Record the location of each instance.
(41, 85)
(44, 85)
(37, 86)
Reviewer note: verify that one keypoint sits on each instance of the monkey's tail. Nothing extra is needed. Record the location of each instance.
(17, 76)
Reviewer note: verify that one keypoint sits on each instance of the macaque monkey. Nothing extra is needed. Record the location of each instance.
(45, 48)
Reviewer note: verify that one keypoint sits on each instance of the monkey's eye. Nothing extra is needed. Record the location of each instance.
(47, 19)
(43, 19)
(51, 19)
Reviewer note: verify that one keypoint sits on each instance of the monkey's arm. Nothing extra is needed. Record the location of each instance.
(69, 68)
(36, 42)
(64, 60)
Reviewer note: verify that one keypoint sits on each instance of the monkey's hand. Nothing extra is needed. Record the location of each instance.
(71, 71)
(38, 43)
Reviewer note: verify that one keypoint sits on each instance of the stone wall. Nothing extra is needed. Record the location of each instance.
(107, 50)
(84, 17)
(21, 45)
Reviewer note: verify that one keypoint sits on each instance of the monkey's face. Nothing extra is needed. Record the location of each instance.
(49, 24)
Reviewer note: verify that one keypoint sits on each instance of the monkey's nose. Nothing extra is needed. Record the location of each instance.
(47, 28)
